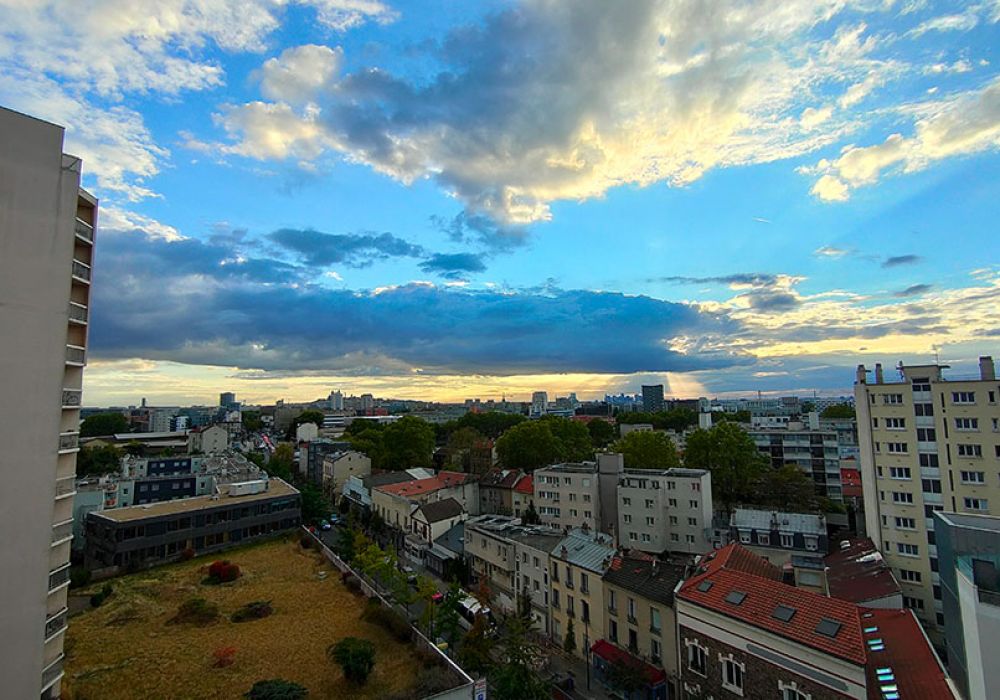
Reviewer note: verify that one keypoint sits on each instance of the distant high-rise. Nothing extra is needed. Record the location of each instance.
(539, 403)
(46, 252)
(227, 398)
(652, 398)
(336, 401)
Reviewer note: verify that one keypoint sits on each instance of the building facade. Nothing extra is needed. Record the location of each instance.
(338, 467)
(576, 596)
(652, 398)
(665, 510)
(927, 443)
(813, 450)
(777, 536)
(47, 225)
(580, 494)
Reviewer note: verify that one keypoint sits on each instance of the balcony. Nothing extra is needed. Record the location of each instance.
(72, 398)
(59, 577)
(65, 486)
(988, 597)
(84, 231)
(81, 271)
(62, 532)
(52, 672)
(78, 313)
(69, 441)
(76, 355)
(55, 624)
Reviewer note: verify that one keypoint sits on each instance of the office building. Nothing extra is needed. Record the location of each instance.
(968, 549)
(47, 226)
(652, 398)
(227, 399)
(928, 442)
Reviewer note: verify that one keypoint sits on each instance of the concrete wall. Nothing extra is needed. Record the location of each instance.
(981, 625)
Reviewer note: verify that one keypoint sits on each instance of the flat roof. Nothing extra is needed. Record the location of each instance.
(276, 489)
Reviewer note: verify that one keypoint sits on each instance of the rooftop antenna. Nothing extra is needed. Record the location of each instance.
(937, 358)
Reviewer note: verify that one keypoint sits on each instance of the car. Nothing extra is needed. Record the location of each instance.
(324, 525)
(437, 597)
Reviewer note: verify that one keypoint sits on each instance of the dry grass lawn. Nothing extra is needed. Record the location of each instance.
(125, 649)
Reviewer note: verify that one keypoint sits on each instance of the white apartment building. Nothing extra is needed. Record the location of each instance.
(46, 252)
(928, 442)
(665, 510)
(579, 494)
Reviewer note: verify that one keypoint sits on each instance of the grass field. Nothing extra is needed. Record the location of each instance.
(126, 649)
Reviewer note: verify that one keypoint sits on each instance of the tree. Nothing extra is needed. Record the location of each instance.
(367, 441)
(601, 432)
(276, 689)
(425, 592)
(345, 544)
(474, 652)
(492, 424)
(407, 443)
(573, 438)
(514, 676)
(308, 416)
(282, 462)
(787, 488)
(135, 448)
(569, 644)
(731, 455)
(356, 658)
(447, 616)
(528, 446)
(647, 450)
(251, 421)
(93, 461)
(626, 677)
(315, 506)
(101, 424)
(840, 410)
(531, 516)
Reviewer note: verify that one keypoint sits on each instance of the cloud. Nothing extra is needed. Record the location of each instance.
(770, 302)
(914, 290)
(897, 260)
(453, 265)
(829, 251)
(739, 279)
(959, 22)
(355, 250)
(469, 227)
(962, 124)
(550, 101)
(960, 66)
(299, 72)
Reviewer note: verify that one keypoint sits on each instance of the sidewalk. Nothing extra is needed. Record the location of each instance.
(565, 664)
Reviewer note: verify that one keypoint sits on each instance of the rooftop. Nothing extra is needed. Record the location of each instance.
(525, 485)
(436, 511)
(419, 487)
(571, 467)
(805, 523)
(385, 478)
(276, 489)
(857, 572)
(586, 549)
(904, 658)
(678, 472)
(501, 478)
(650, 578)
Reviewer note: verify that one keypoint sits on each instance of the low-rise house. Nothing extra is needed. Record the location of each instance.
(428, 522)
(395, 503)
(776, 536)
(523, 495)
(207, 440)
(446, 557)
(339, 466)
(358, 490)
(496, 491)
(576, 600)
(666, 510)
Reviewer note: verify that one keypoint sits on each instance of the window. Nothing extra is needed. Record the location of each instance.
(787, 540)
(570, 610)
(906, 523)
(585, 611)
(812, 543)
(673, 519)
(633, 536)
(613, 630)
(627, 518)
(931, 485)
(696, 486)
(587, 514)
(913, 603)
(631, 609)
(671, 486)
(612, 601)
(646, 537)
(732, 675)
(929, 460)
(555, 598)
(689, 538)
(654, 620)
(586, 498)
(572, 497)
(674, 537)
(895, 424)
(975, 451)
(892, 399)
(555, 573)
(697, 657)
(976, 503)
(655, 650)
(764, 538)
(909, 576)
(896, 447)
(568, 481)
(693, 504)
(902, 497)
(649, 502)
(973, 477)
(921, 384)
(569, 577)
(907, 550)
(650, 520)
(899, 472)
(627, 501)
(790, 691)
(874, 422)
(693, 522)
(584, 581)
(966, 424)
(924, 409)
(633, 640)
(926, 435)
(744, 536)
(535, 561)
(672, 502)
(963, 397)
(586, 482)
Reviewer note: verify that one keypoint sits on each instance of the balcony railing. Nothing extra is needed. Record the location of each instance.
(62, 531)
(72, 398)
(81, 271)
(76, 354)
(58, 577)
(989, 597)
(69, 441)
(77, 312)
(55, 624)
(65, 486)
(84, 230)
(52, 672)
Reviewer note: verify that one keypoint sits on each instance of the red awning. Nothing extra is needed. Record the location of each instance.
(610, 653)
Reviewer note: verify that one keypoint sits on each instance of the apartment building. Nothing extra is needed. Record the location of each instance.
(814, 450)
(580, 494)
(576, 599)
(969, 557)
(211, 439)
(742, 632)
(928, 442)
(778, 536)
(339, 466)
(639, 620)
(395, 503)
(496, 491)
(47, 225)
(665, 510)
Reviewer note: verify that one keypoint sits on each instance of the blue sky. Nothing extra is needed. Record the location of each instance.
(471, 199)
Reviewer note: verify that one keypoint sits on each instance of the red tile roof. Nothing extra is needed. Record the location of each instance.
(610, 653)
(916, 669)
(419, 487)
(764, 593)
(525, 485)
(858, 573)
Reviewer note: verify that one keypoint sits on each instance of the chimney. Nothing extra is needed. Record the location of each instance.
(878, 373)
(986, 370)
(860, 376)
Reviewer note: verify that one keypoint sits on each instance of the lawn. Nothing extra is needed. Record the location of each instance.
(126, 649)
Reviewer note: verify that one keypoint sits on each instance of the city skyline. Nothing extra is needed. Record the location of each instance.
(508, 197)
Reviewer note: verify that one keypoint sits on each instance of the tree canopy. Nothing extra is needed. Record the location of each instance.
(104, 424)
(730, 454)
(407, 443)
(787, 488)
(308, 416)
(94, 461)
(676, 419)
(647, 450)
(356, 658)
(601, 432)
(840, 410)
(492, 424)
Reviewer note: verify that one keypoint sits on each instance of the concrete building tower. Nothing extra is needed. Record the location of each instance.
(46, 251)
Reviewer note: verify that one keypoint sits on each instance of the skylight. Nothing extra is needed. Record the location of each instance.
(828, 627)
(783, 613)
(705, 586)
(735, 597)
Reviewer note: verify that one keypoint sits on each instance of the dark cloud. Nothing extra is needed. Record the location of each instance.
(468, 227)
(176, 301)
(756, 279)
(770, 302)
(914, 290)
(897, 260)
(352, 249)
(453, 265)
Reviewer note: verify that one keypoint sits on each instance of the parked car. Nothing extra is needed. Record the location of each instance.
(324, 525)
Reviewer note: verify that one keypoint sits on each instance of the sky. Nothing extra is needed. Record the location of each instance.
(448, 200)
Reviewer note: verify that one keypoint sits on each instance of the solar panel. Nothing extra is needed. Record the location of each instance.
(828, 627)
(735, 597)
(705, 586)
(783, 613)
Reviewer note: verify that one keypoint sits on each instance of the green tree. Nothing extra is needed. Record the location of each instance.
(94, 461)
(840, 410)
(573, 438)
(474, 651)
(514, 676)
(251, 421)
(135, 448)
(315, 506)
(426, 589)
(356, 658)
(647, 450)
(308, 416)
(101, 424)
(282, 462)
(345, 544)
(492, 424)
(601, 432)
(786, 488)
(276, 689)
(626, 677)
(569, 644)
(731, 455)
(447, 616)
(528, 446)
(531, 516)
(407, 443)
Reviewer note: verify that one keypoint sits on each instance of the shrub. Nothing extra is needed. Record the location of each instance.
(276, 689)
(224, 656)
(78, 577)
(355, 656)
(306, 542)
(195, 611)
(256, 610)
(98, 598)
(187, 554)
(353, 584)
(222, 571)
(388, 620)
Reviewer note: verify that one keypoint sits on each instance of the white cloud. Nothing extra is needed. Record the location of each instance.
(960, 22)
(299, 72)
(960, 66)
(829, 251)
(830, 189)
(114, 219)
(814, 116)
